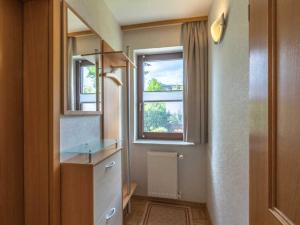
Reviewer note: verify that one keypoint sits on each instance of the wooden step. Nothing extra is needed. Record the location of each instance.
(126, 196)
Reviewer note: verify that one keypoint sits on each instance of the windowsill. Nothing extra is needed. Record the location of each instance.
(163, 142)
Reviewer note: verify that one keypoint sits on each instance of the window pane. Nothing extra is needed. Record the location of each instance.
(163, 96)
(88, 80)
(163, 117)
(88, 106)
(165, 75)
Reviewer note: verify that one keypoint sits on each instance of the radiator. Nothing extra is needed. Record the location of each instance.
(162, 174)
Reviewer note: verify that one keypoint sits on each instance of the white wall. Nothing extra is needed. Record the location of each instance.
(228, 167)
(75, 130)
(99, 17)
(166, 36)
(192, 170)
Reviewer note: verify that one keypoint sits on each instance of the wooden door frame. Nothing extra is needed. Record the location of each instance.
(42, 70)
(259, 110)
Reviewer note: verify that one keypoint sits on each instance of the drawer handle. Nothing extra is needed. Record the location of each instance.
(110, 165)
(110, 214)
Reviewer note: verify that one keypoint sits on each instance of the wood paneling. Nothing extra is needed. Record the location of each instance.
(111, 109)
(111, 90)
(258, 111)
(41, 111)
(11, 114)
(287, 115)
(36, 112)
(54, 110)
(274, 112)
(77, 194)
(163, 23)
(81, 34)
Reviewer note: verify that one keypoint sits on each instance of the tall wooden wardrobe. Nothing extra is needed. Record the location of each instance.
(29, 112)
(11, 113)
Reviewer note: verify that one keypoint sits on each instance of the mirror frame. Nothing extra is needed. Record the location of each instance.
(65, 110)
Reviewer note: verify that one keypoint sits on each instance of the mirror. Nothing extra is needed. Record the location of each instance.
(82, 80)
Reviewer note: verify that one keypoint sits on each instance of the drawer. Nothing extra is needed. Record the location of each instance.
(107, 185)
(114, 214)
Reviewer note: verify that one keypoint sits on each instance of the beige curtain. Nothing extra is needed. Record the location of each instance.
(195, 47)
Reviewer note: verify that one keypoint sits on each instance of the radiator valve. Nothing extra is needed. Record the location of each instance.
(180, 156)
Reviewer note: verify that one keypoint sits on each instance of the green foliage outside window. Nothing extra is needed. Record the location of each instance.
(91, 74)
(154, 85)
(156, 117)
(92, 71)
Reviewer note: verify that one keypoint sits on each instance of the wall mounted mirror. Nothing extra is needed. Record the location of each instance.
(82, 80)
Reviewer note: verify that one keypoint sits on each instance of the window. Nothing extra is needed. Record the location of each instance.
(160, 96)
(88, 79)
(86, 83)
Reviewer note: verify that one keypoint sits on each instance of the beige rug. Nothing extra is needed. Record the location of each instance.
(157, 213)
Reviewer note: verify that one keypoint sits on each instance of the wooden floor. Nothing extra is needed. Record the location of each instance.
(199, 212)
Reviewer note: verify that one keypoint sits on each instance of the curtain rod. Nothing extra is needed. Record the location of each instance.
(163, 23)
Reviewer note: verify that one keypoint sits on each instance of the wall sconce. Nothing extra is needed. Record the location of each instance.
(217, 29)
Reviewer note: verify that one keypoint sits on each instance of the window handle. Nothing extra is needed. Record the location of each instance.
(140, 106)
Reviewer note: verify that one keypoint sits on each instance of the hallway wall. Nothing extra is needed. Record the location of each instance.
(192, 169)
(78, 129)
(228, 169)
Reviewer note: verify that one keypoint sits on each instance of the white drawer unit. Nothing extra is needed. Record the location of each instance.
(114, 214)
(107, 184)
(92, 192)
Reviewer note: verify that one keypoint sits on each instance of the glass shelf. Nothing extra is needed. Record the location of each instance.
(88, 149)
(112, 59)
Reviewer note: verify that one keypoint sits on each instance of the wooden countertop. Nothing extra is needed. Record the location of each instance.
(92, 159)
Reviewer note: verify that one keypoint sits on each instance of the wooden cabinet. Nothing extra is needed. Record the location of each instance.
(92, 192)
(11, 113)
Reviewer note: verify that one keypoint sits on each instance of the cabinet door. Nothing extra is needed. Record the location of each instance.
(107, 185)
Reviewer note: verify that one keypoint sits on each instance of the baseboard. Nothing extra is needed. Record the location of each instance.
(171, 201)
(208, 215)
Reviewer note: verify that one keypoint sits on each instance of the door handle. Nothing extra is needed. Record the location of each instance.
(111, 213)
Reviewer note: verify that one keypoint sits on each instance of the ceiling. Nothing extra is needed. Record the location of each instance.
(140, 11)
